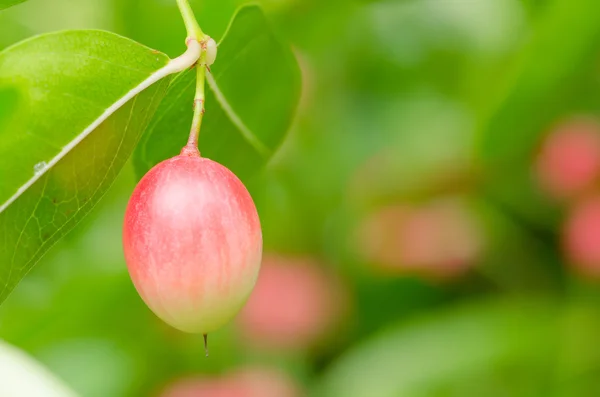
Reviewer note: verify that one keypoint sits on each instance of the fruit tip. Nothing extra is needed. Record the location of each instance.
(205, 344)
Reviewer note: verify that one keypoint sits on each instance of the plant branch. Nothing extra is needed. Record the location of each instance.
(191, 24)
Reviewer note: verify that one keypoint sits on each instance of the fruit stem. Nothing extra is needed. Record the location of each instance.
(195, 34)
(191, 24)
(198, 102)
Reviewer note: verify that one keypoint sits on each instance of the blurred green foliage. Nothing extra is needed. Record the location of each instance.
(403, 102)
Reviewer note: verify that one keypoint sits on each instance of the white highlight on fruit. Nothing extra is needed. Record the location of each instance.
(211, 51)
(20, 375)
(184, 61)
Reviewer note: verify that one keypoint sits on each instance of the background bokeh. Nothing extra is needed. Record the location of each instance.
(431, 223)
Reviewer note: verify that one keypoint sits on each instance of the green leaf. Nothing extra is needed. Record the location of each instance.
(68, 138)
(555, 76)
(251, 98)
(9, 3)
(462, 343)
(550, 74)
(9, 102)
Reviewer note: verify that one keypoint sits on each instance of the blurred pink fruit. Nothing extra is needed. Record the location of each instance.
(266, 383)
(201, 388)
(294, 304)
(252, 382)
(582, 236)
(569, 160)
(439, 239)
(388, 173)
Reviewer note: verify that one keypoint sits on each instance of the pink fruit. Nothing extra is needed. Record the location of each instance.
(438, 239)
(569, 160)
(260, 382)
(582, 236)
(294, 304)
(192, 242)
(252, 382)
(202, 388)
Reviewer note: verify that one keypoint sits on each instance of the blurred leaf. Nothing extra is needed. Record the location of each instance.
(250, 102)
(9, 3)
(105, 360)
(555, 74)
(67, 81)
(548, 70)
(407, 360)
(23, 376)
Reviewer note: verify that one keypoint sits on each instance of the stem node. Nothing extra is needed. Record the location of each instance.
(195, 38)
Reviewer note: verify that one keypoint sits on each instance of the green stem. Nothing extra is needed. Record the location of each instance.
(191, 24)
(198, 105)
(195, 33)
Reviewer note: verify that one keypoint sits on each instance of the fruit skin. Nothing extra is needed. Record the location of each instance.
(192, 242)
(581, 236)
(296, 303)
(245, 382)
(439, 239)
(568, 163)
